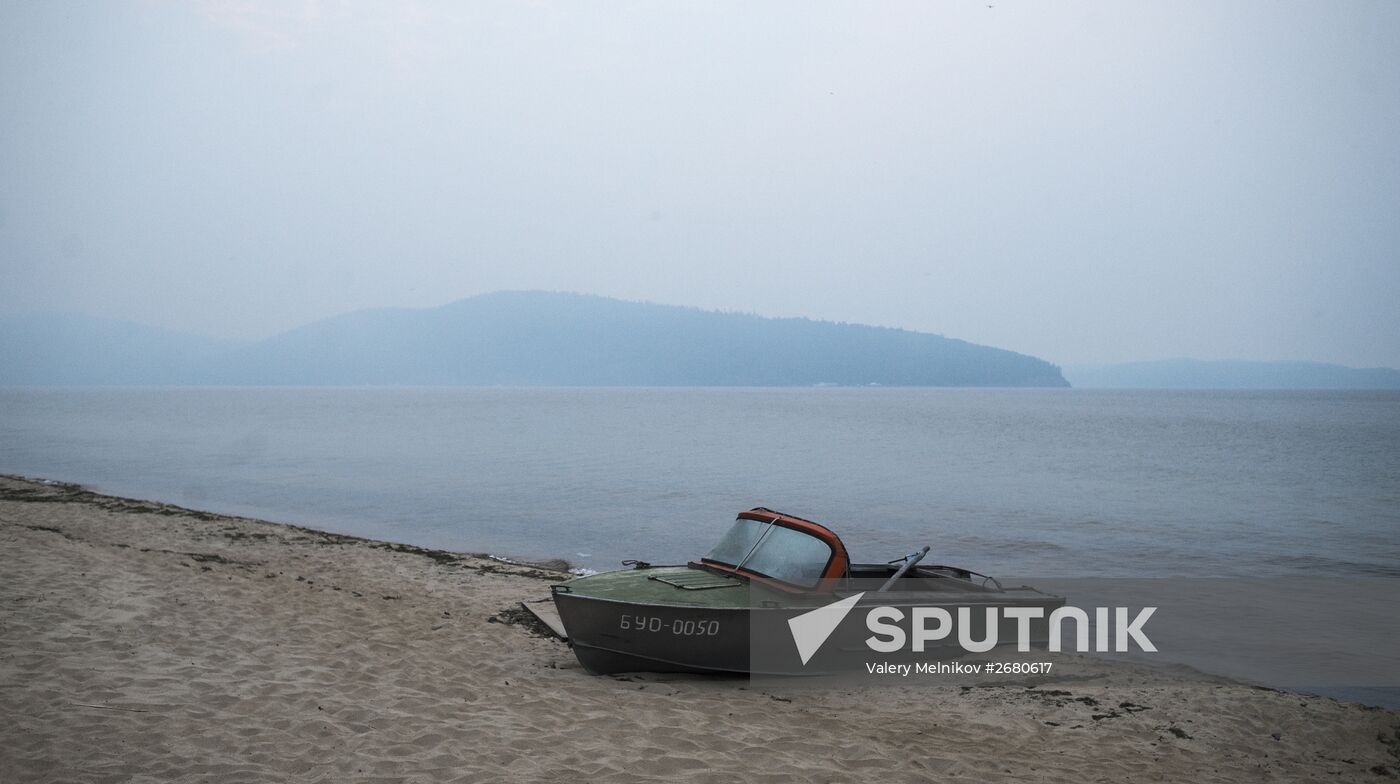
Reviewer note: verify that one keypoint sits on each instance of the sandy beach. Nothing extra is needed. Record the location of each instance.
(145, 642)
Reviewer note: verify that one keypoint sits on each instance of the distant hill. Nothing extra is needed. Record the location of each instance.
(525, 338)
(1201, 374)
(68, 349)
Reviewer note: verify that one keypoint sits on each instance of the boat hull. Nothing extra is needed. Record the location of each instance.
(612, 636)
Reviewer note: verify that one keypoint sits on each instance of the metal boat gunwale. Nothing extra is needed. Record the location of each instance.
(893, 599)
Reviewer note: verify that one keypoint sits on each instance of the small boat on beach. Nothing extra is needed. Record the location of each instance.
(769, 567)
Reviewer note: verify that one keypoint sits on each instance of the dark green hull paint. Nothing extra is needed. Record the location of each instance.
(636, 621)
(604, 647)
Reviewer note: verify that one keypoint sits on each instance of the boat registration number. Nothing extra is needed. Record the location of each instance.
(679, 627)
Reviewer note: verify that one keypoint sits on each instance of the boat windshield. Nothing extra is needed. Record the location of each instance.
(738, 542)
(770, 550)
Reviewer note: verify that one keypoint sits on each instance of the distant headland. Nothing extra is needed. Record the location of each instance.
(525, 338)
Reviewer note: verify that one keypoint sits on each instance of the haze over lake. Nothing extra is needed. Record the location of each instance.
(1072, 293)
(1082, 183)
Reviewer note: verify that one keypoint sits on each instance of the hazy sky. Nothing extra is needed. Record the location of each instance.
(1086, 182)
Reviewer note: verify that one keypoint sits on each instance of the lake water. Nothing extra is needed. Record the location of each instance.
(1029, 482)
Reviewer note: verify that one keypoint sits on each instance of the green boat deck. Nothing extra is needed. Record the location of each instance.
(679, 586)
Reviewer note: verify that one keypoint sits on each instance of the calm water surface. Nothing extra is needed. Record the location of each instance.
(1041, 482)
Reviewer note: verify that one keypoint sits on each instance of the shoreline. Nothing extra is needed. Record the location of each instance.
(142, 639)
(73, 492)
